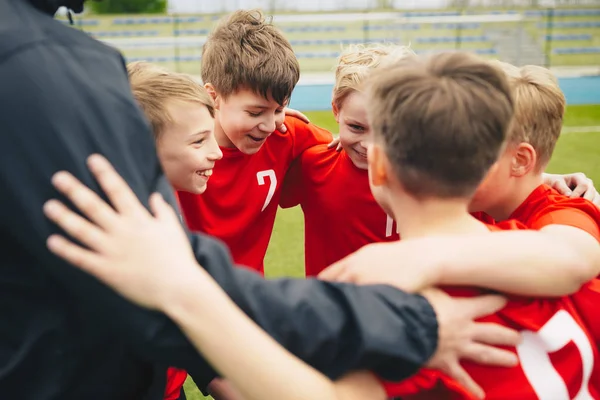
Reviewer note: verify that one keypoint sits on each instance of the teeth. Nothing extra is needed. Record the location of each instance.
(206, 173)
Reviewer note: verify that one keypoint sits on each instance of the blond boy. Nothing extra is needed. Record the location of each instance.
(182, 117)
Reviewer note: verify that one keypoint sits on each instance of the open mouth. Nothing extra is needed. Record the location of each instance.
(205, 173)
(257, 139)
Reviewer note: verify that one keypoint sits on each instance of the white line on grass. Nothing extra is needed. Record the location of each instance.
(580, 129)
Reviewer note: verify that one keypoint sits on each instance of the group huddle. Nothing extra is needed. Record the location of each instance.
(434, 189)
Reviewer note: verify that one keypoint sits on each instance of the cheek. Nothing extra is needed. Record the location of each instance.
(347, 138)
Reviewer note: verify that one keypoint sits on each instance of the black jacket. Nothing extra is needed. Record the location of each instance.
(63, 335)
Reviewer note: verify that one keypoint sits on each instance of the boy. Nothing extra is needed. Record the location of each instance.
(181, 114)
(514, 188)
(451, 142)
(182, 117)
(340, 213)
(250, 70)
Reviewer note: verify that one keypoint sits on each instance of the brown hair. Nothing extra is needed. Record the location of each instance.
(245, 51)
(356, 63)
(154, 86)
(442, 120)
(539, 109)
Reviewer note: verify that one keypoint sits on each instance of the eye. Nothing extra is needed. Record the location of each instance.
(356, 128)
(254, 114)
(199, 141)
(279, 111)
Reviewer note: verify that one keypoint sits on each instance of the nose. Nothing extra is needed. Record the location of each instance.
(215, 152)
(269, 123)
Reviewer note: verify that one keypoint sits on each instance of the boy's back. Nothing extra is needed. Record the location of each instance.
(241, 201)
(558, 356)
(439, 127)
(340, 213)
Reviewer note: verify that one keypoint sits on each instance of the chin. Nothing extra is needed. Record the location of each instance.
(249, 150)
(360, 163)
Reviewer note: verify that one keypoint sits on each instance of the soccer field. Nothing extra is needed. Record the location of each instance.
(578, 150)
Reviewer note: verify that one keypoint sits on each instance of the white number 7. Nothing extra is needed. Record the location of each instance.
(533, 354)
(260, 176)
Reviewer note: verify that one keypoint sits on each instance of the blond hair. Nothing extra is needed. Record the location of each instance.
(442, 121)
(246, 51)
(539, 109)
(357, 61)
(154, 86)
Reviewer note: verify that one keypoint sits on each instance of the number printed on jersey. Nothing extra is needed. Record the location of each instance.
(534, 350)
(262, 177)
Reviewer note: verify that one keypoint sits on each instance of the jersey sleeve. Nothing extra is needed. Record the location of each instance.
(585, 217)
(306, 135)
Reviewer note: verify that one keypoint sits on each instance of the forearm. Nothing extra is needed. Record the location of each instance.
(516, 262)
(254, 363)
(331, 326)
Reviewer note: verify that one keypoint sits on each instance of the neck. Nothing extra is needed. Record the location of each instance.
(222, 139)
(519, 192)
(417, 218)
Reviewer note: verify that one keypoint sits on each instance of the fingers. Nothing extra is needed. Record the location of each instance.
(117, 190)
(590, 192)
(596, 199)
(334, 143)
(282, 128)
(86, 200)
(339, 148)
(583, 189)
(488, 355)
(76, 255)
(297, 114)
(461, 376)
(333, 272)
(75, 225)
(490, 333)
(161, 209)
(481, 306)
(561, 187)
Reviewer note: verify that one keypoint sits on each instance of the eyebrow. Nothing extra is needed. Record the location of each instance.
(204, 132)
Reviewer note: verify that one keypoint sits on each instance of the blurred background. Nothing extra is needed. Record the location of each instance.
(551, 33)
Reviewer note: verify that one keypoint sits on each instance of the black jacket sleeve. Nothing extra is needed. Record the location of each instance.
(54, 114)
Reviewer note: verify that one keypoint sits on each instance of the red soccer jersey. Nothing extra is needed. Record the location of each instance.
(545, 206)
(558, 356)
(340, 213)
(175, 380)
(240, 202)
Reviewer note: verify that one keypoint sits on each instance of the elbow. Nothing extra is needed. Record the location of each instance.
(583, 267)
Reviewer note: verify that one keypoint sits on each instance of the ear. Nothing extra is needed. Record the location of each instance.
(213, 94)
(377, 162)
(336, 112)
(523, 160)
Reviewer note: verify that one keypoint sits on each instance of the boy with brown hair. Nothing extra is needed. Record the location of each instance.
(250, 70)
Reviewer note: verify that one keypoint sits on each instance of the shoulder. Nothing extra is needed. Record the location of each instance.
(563, 210)
(296, 126)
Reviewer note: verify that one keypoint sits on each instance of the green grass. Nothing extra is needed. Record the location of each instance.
(575, 152)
